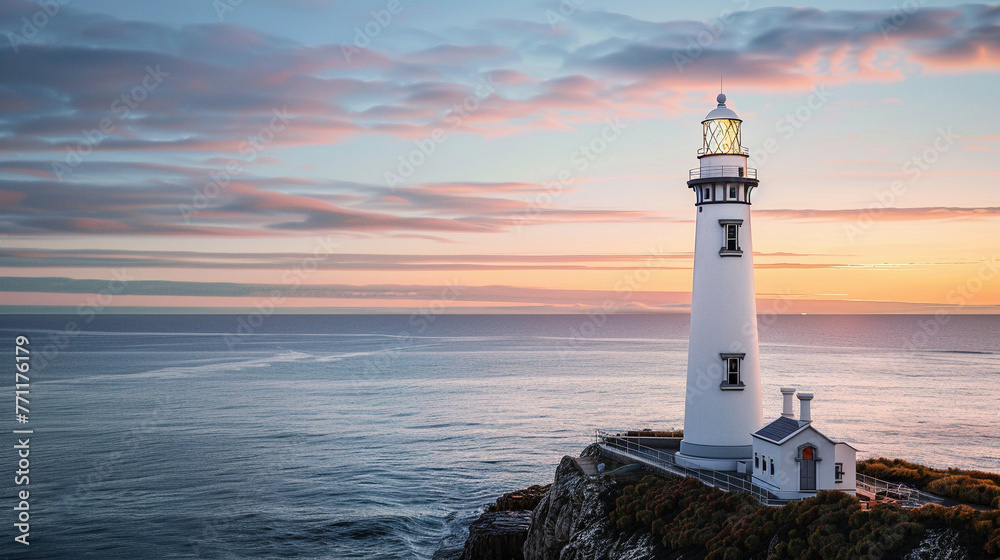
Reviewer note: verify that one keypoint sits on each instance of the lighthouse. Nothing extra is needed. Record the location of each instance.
(723, 402)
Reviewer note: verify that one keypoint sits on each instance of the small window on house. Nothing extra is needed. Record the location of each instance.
(772, 467)
(807, 453)
(733, 371)
(732, 192)
(756, 461)
(708, 193)
(838, 472)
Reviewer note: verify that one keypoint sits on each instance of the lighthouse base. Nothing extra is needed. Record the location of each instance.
(733, 465)
(738, 458)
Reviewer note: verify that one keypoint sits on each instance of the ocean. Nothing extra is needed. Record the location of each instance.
(382, 437)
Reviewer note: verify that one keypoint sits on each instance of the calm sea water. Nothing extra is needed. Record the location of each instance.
(382, 436)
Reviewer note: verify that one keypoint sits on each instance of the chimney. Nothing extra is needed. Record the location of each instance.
(804, 415)
(786, 409)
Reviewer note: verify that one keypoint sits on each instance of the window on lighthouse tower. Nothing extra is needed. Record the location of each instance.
(731, 238)
(732, 378)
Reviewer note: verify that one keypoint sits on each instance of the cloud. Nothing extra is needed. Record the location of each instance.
(52, 207)
(779, 48)
(347, 261)
(97, 258)
(492, 294)
(167, 96)
(399, 297)
(222, 82)
(890, 214)
(166, 199)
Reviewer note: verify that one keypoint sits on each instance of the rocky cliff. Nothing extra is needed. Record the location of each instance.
(613, 516)
(573, 521)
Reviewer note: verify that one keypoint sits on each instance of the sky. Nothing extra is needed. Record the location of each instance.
(415, 156)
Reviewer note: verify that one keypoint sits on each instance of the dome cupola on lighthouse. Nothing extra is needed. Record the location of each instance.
(721, 131)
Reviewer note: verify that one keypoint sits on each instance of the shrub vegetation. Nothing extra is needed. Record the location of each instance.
(974, 487)
(691, 518)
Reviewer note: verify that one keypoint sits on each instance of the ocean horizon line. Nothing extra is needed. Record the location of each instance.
(14, 310)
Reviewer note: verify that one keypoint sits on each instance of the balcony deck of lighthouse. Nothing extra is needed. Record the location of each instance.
(723, 404)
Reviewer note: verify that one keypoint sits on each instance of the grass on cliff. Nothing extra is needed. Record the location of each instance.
(974, 487)
(689, 516)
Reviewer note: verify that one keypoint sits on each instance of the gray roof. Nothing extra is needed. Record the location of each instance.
(783, 428)
(779, 429)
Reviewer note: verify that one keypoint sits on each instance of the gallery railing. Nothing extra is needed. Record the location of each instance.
(722, 171)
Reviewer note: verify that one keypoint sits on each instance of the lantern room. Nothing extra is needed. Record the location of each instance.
(721, 132)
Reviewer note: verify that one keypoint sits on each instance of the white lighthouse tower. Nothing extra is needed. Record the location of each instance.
(723, 405)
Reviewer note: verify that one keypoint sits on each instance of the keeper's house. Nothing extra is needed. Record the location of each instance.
(794, 460)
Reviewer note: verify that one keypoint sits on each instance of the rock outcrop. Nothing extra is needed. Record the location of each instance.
(573, 521)
(520, 500)
(497, 535)
(939, 544)
(500, 532)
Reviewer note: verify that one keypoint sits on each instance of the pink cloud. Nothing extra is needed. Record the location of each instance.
(891, 214)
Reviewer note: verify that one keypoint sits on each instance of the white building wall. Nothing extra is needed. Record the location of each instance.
(723, 320)
(766, 452)
(723, 160)
(848, 456)
(785, 483)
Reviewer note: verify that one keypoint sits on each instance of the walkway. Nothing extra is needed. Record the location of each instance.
(626, 449)
(876, 489)
(587, 465)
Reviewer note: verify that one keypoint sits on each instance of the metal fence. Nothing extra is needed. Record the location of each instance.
(883, 489)
(625, 448)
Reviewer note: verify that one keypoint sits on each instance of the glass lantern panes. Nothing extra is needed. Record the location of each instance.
(722, 136)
